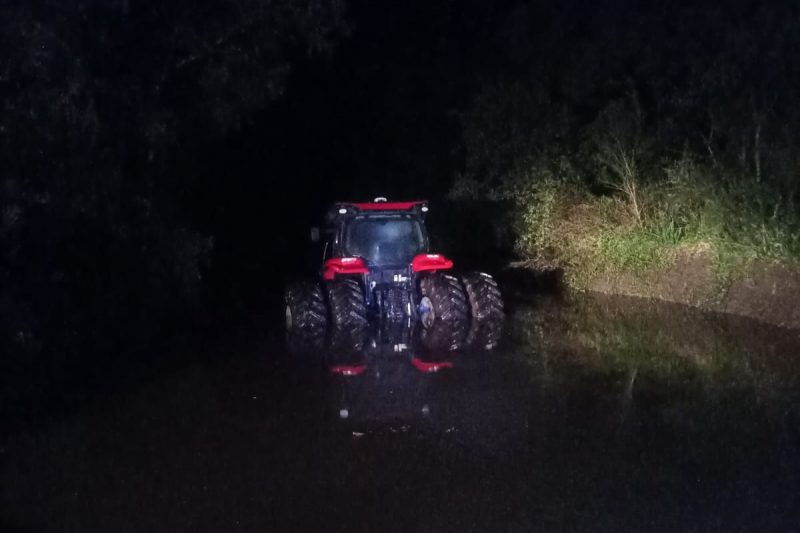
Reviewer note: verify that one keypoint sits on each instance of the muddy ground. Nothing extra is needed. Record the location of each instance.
(768, 291)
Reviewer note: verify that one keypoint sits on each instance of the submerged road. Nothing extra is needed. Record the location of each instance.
(591, 415)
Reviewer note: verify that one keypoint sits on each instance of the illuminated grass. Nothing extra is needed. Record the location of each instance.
(588, 234)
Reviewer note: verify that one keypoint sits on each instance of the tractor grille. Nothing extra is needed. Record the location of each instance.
(391, 286)
(395, 303)
(391, 276)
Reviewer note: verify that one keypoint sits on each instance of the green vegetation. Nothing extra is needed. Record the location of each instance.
(638, 146)
(562, 222)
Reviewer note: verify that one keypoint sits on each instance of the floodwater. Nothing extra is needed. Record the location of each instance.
(595, 414)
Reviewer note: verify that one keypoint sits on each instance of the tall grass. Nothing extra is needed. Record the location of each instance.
(563, 221)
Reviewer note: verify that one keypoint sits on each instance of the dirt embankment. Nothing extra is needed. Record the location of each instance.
(761, 290)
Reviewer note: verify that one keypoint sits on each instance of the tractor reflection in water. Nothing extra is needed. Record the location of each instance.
(388, 373)
(387, 310)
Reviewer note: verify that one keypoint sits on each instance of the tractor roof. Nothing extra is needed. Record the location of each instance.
(381, 204)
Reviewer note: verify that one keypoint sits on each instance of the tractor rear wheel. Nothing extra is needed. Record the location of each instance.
(346, 301)
(444, 336)
(305, 306)
(485, 300)
(484, 335)
(442, 298)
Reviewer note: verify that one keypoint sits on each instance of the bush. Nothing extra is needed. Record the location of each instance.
(633, 144)
(561, 223)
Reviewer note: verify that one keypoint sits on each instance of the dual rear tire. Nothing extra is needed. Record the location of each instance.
(483, 294)
(346, 301)
(443, 298)
(304, 306)
(308, 307)
(446, 298)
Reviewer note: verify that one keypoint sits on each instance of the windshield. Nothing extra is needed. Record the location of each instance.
(384, 240)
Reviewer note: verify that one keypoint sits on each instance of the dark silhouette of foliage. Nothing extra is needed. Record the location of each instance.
(684, 112)
(99, 100)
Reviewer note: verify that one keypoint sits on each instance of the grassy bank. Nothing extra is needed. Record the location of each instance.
(638, 227)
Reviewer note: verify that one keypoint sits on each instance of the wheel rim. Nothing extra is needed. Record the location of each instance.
(426, 313)
(289, 318)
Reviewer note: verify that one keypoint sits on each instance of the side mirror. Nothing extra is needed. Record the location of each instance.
(315, 234)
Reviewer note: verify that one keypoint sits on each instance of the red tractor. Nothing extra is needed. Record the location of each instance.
(377, 263)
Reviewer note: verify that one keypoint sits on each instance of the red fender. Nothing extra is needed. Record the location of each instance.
(343, 265)
(430, 262)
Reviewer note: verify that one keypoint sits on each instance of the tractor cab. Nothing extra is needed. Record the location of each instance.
(383, 234)
(387, 244)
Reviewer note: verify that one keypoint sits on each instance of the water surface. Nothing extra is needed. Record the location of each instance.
(596, 414)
